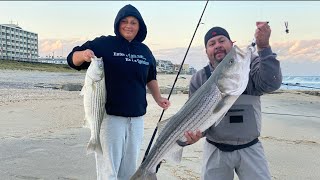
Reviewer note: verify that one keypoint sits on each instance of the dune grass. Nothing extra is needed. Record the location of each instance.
(33, 66)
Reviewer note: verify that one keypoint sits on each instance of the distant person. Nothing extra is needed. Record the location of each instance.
(233, 144)
(129, 67)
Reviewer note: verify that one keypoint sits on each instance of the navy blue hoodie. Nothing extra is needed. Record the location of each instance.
(128, 66)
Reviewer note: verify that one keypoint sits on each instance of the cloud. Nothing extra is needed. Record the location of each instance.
(48, 46)
(60, 47)
(297, 51)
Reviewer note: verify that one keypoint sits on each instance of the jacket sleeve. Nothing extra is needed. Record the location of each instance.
(265, 74)
(152, 72)
(94, 45)
(196, 82)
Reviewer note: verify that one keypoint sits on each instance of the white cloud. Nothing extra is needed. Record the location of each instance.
(60, 47)
(299, 50)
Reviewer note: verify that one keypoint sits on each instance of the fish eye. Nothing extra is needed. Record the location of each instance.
(231, 61)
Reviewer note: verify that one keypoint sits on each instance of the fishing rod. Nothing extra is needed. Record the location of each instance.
(184, 58)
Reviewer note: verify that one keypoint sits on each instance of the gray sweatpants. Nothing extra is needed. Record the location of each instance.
(249, 163)
(121, 138)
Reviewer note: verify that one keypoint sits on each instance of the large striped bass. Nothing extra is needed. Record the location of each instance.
(207, 106)
(94, 99)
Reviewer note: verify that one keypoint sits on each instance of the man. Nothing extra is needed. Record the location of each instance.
(233, 144)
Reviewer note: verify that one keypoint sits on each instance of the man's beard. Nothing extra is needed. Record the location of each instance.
(220, 58)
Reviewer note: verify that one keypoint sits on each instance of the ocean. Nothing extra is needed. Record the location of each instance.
(301, 82)
(29, 79)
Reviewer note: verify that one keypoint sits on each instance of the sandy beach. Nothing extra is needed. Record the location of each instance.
(42, 134)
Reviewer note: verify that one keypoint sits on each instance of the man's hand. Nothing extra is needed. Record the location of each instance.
(193, 137)
(262, 35)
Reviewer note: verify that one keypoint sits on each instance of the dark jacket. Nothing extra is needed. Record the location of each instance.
(128, 66)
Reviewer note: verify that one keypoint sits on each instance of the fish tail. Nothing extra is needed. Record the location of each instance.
(142, 174)
(94, 146)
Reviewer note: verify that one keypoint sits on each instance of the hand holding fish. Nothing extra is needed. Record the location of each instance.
(193, 137)
(87, 55)
(262, 35)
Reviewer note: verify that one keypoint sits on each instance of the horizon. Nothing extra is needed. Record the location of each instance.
(171, 25)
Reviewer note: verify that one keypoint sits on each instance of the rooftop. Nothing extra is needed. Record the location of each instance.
(12, 25)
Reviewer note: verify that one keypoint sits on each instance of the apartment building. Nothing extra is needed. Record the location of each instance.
(17, 44)
(164, 66)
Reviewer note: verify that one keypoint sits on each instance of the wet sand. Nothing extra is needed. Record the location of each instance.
(42, 134)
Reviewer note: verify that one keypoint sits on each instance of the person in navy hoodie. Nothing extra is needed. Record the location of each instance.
(129, 67)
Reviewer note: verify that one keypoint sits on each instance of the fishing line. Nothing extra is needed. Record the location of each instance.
(155, 130)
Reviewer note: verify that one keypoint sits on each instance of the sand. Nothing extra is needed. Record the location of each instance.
(42, 134)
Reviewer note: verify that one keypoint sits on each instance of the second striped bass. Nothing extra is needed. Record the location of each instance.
(207, 106)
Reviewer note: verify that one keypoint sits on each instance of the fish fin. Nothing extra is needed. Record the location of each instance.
(223, 107)
(162, 124)
(220, 118)
(94, 146)
(219, 107)
(225, 104)
(174, 154)
(182, 143)
(86, 123)
(143, 175)
(82, 90)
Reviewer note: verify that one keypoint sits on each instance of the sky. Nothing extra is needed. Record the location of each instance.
(62, 25)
